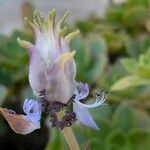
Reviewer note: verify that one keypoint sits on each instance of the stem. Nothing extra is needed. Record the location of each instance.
(70, 138)
(69, 135)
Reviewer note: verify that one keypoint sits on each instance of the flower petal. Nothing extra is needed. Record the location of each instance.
(70, 36)
(37, 76)
(60, 84)
(33, 110)
(19, 123)
(64, 58)
(84, 116)
(82, 91)
(25, 44)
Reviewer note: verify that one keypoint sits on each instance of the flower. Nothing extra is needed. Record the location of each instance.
(24, 124)
(82, 113)
(52, 68)
(52, 72)
(32, 109)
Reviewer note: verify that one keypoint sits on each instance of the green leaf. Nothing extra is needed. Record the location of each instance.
(129, 64)
(144, 59)
(139, 139)
(3, 93)
(143, 72)
(116, 139)
(126, 118)
(98, 61)
(132, 47)
(91, 58)
(114, 15)
(141, 119)
(123, 118)
(111, 38)
(129, 81)
(82, 57)
(85, 134)
(134, 16)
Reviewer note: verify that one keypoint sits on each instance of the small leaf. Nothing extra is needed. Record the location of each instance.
(129, 64)
(3, 93)
(129, 81)
(123, 118)
(98, 61)
(139, 139)
(116, 138)
(143, 72)
(126, 117)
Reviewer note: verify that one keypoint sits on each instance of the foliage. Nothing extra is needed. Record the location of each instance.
(91, 57)
(139, 70)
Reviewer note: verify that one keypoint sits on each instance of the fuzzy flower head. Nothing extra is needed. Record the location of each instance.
(52, 68)
(52, 72)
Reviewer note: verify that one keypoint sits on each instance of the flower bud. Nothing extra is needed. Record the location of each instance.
(52, 68)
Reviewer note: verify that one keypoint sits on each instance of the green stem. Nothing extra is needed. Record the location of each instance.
(70, 138)
(69, 135)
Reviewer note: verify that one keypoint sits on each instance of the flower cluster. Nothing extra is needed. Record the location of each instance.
(52, 72)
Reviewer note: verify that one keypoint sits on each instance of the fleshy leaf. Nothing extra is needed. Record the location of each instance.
(129, 81)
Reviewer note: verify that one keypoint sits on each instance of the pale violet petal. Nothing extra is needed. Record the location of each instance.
(27, 106)
(99, 101)
(33, 110)
(84, 116)
(37, 77)
(82, 91)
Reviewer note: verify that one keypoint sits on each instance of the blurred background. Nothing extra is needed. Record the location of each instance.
(113, 53)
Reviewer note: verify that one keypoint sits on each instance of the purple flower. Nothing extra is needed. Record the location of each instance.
(24, 124)
(81, 110)
(32, 109)
(52, 72)
(52, 68)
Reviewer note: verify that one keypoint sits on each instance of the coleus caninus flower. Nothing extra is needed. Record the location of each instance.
(52, 71)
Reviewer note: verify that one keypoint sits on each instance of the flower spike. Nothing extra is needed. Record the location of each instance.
(50, 57)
